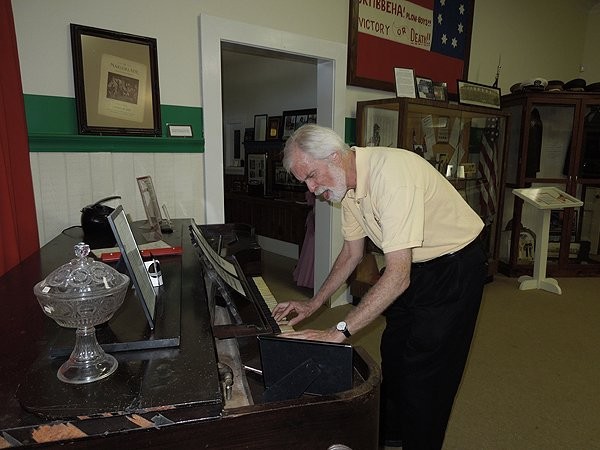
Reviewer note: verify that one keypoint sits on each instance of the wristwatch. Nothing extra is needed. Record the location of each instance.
(341, 326)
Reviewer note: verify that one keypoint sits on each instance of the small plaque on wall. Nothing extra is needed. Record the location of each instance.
(180, 130)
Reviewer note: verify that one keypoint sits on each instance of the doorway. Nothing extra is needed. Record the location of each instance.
(330, 60)
(259, 83)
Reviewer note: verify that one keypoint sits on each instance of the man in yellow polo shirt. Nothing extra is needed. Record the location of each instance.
(432, 285)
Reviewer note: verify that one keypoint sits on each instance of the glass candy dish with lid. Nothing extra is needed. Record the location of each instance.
(83, 294)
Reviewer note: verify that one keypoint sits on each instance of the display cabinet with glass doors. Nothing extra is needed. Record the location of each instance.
(465, 144)
(554, 141)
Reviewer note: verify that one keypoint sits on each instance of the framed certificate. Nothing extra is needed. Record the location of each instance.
(116, 82)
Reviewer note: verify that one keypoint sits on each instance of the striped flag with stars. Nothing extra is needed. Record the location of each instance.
(449, 28)
(431, 36)
(488, 171)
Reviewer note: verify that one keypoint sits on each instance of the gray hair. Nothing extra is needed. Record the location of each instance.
(315, 141)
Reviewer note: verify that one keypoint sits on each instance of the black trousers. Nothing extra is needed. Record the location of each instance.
(425, 345)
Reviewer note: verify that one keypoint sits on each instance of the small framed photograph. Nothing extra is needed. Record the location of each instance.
(274, 128)
(301, 119)
(289, 125)
(476, 94)
(440, 91)
(292, 120)
(405, 82)
(470, 170)
(424, 88)
(116, 82)
(260, 127)
(257, 163)
(441, 162)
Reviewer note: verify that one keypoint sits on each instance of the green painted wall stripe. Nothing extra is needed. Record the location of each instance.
(50, 115)
(52, 127)
(350, 131)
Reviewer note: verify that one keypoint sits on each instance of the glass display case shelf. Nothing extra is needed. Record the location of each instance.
(466, 144)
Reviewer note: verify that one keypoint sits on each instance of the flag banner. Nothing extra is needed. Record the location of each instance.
(488, 171)
(433, 37)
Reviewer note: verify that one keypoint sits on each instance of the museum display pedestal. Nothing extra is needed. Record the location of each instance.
(544, 199)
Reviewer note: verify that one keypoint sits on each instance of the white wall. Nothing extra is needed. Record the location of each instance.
(591, 60)
(536, 38)
(65, 182)
(254, 84)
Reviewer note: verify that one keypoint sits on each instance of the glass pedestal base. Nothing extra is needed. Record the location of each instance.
(88, 361)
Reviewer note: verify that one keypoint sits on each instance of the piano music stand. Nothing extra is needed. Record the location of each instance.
(292, 367)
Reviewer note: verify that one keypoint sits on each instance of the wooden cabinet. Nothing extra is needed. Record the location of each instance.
(284, 220)
(554, 141)
(264, 174)
(267, 197)
(466, 144)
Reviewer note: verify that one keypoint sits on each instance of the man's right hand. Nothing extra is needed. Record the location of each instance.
(294, 311)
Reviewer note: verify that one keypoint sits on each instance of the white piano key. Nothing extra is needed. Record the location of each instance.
(270, 300)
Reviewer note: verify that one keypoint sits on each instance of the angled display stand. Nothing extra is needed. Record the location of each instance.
(544, 199)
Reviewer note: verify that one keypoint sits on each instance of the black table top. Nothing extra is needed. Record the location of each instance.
(167, 376)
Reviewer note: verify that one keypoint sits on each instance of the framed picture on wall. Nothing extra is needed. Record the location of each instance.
(425, 87)
(116, 82)
(440, 91)
(274, 128)
(405, 82)
(476, 94)
(260, 127)
(292, 120)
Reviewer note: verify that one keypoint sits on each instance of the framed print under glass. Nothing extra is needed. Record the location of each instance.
(476, 94)
(292, 120)
(440, 91)
(116, 82)
(256, 169)
(425, 88)
(405, 82)
(274, 129)
(150, 202)
(260, 127)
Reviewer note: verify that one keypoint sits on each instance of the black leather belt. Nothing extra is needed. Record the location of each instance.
(448, 256)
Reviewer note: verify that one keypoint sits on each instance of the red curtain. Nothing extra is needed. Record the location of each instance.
(18, 224)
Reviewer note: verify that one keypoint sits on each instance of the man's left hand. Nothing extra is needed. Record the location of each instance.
(329, 335)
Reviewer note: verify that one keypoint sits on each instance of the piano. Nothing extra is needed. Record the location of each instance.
(231, 260)
(203, 392)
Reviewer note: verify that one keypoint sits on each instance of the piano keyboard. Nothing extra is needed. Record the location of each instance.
(270, 300)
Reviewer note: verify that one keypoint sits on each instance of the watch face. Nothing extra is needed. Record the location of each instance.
(341, 326)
